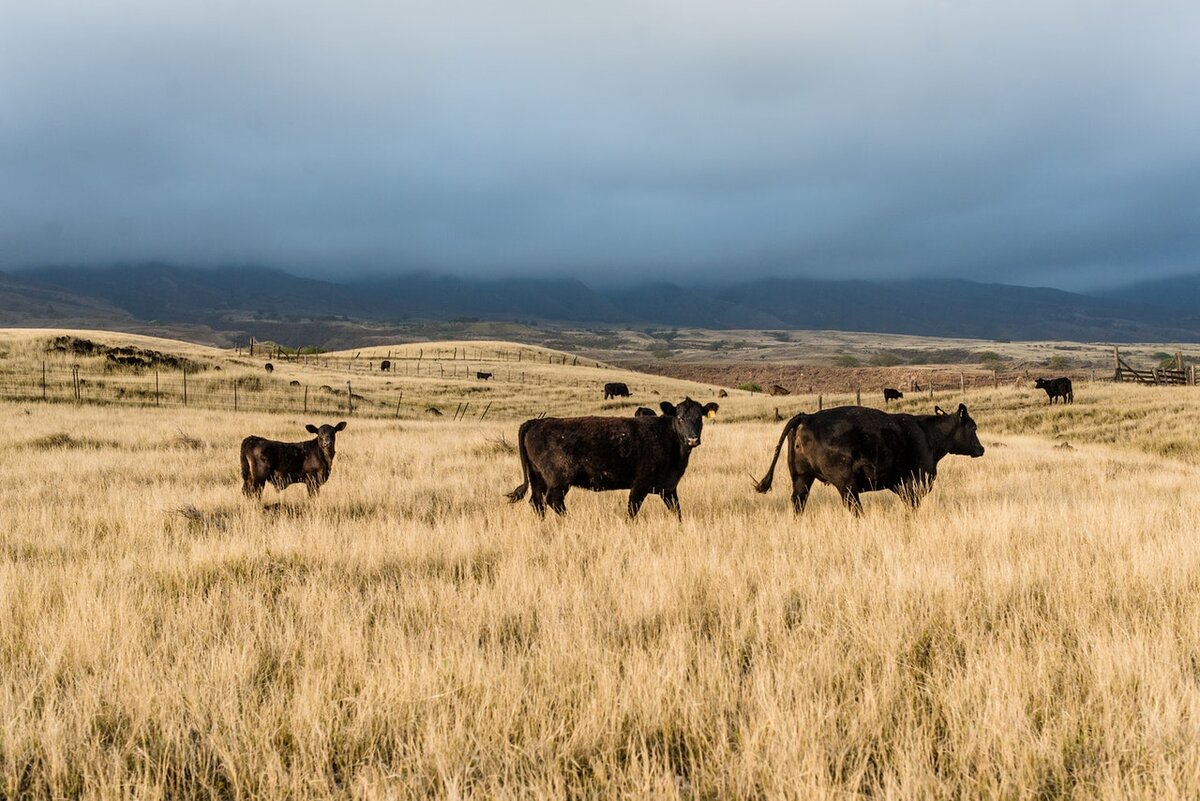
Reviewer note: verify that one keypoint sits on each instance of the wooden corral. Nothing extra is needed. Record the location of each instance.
(1176, 374)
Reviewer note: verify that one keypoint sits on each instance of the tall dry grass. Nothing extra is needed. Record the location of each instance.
(1031, 632)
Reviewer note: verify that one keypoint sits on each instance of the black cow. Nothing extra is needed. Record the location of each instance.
(616, 389)
(890, 394)
(270, 367)
(1057, 388)
(286, 463)
(641, 454)
(483, 376)
(385, 366)
(642, 411)
(857, 449)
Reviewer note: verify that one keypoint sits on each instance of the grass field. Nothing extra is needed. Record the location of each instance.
(1031, 632)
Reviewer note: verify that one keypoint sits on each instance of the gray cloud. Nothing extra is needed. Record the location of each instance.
(1035, 142)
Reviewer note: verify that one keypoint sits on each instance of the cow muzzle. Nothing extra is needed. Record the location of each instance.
(692, 442)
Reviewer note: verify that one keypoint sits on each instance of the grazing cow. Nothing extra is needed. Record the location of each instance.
(778, 390)
(858, 449)
(483, 376)
(722, 394)
(642, 411)
(435, 411)
(293, 383)
(286, 463)
(616, 389)
(890, 394)
(1057, 388)
(270, 367)
(385, 366)
(641, 454)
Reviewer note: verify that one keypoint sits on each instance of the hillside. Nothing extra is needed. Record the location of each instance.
(236, 300)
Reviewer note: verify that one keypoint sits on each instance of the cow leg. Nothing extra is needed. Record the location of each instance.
(671, 499)
(636, 496)
(801, 484)
(537, 493)
(556, 499)
(253, 488)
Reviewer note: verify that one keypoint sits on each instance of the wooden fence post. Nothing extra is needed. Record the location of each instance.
(398, 404)
(235, 395)
(858, 396)
(306, 398)
(820, 402)
(43, 379)
(962, 383)
(185, 386)
(349, 399)
(156, 396)
(485, 411)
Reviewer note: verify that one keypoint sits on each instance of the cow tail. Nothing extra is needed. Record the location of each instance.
(765, 484)
(245, 465)
(519, 492)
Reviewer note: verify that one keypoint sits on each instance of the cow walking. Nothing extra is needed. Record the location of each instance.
(858, 449)
(641, 454)
(616, 389)
(483, 376)
(286, 463)
(890, 394)
(1056, 388)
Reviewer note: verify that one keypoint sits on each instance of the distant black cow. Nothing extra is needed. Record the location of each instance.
(287, 463)
(890, 394)
(642, 411)
(641, 454)
(483, 376)
(270, 367)
(722, 394)
(1057, 388)
(616, 389)
(293, 383)
(385, 366)
(776, 389)
(857, 449)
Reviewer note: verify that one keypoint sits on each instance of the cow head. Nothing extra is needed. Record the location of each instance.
(962, 438)
(1039, 384)
(326, 436)
(687, 419)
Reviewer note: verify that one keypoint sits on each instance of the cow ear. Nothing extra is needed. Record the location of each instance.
(668, 408)
(938, 410)
(962, 410)
(711, 409)
(310, 428)
(340, 426)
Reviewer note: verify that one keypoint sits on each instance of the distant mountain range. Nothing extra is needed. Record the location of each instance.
(223, 299)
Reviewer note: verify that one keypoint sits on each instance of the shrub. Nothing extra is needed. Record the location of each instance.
(750, 386)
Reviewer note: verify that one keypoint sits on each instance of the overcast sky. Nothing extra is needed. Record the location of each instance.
(1042, 142)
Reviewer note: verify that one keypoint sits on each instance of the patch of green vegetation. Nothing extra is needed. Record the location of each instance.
(1058, 362)
(750, 386)
(845, 360)
(885, 358)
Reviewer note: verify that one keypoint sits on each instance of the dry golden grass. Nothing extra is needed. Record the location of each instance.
(1031, 632)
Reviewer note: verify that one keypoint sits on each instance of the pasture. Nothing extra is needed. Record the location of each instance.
(1030, 632)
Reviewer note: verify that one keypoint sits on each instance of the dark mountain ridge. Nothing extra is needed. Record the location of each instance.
(222, 297)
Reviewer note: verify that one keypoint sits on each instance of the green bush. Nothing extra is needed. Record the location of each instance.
(750, 387)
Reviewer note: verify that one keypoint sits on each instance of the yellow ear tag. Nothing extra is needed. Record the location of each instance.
(711, 415)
